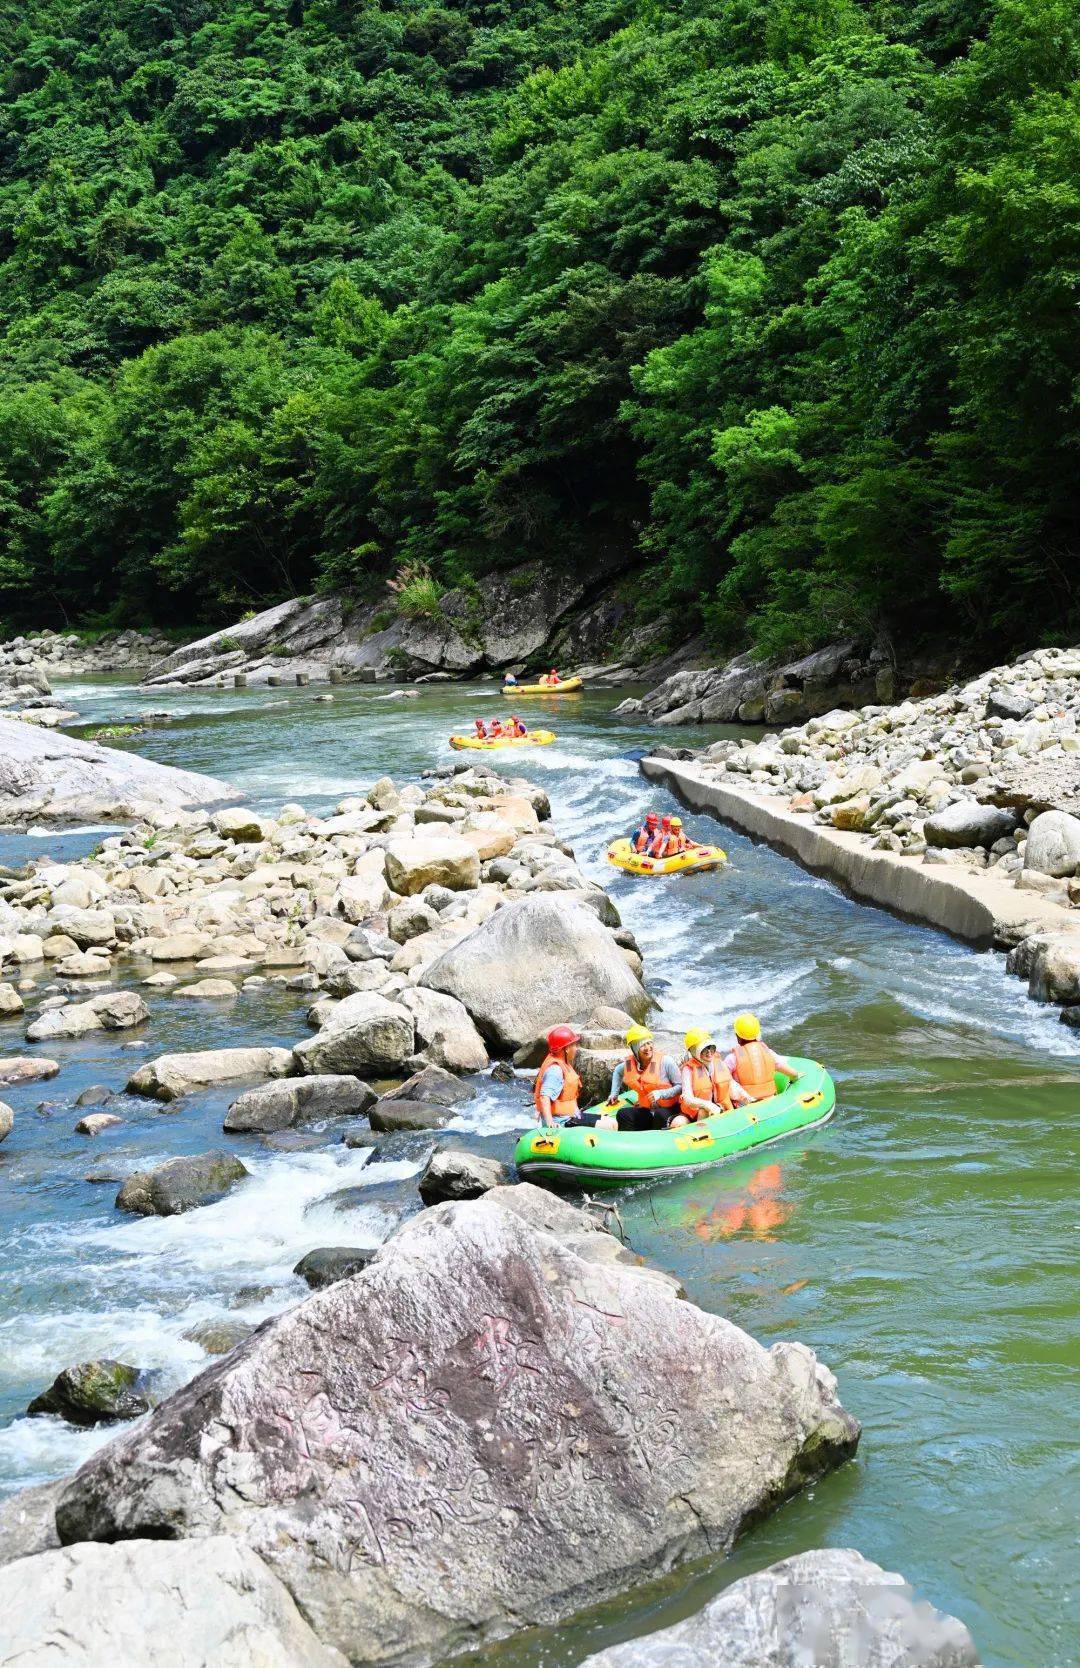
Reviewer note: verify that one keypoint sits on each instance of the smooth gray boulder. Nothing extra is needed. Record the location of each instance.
(1053, 967)
(7, 1120)
(328, 1264)
(967, 824)
(193, 1604)
(181, 1184)
(532, 965)
(293, 1100)
(113, 1010)
(28, 1521)
(451, 1173)
(444, 1030)
(172, 1075)
(827, 1609)
(481, 1431)
(391, 1115)
(1053, 844)
(44, 773)
(433, 1085)
(92, 1393)
(364, 1033)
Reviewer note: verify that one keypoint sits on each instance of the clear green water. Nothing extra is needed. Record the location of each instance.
(924, 1243)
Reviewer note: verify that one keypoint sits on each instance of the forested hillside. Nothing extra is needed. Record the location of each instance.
(781, 294)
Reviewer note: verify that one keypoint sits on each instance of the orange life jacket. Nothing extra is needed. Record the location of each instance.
(646, 1081)
(754, 1069)
(707, 1083)
(567, 1103)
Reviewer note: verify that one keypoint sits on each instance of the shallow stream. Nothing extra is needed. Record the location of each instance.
(924, 1242)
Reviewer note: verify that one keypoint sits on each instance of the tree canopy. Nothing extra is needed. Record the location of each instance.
(776, 296)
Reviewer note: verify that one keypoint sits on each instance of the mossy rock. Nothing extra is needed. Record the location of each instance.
(93, 1392)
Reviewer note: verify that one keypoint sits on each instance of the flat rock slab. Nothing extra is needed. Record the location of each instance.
(21, 1069)
(138, 1605)
(828, 1609)
(172, 1075)
(390, 1114)
(481, 1431)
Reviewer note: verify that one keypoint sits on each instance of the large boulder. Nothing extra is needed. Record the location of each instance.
(444, 1030)
(197, 1604)
(431, 860)
(1053, 844)
(454, 1174)
(114, 1010)
(364, 1033)
(1053, 967)
(181, 1184)
(295, 1100)
(28, 1521)
(93, 1393)
(172, 1075)
(533, 964)
(828, 1609)
(46, 773)
(483, 1430)
(967, 824)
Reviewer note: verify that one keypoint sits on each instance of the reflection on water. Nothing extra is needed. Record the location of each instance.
(923, 1242)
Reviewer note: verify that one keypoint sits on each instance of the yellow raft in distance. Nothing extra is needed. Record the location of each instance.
(567, 686)
(535, 738)
(635, 863)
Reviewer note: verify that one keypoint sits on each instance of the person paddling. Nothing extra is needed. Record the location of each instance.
(652, 1076)
(557, 1085)
(752, 1063)
(707, 1084)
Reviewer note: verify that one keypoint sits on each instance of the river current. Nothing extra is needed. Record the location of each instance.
(923, 1243)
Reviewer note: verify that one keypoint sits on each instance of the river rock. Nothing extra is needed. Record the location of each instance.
(431, 860)
(444, 1030)
(85, 964)
(134, 1194)
(172, 1075)
(182, 1184)
(1054, 967)
(204, 990)
(90, 928)
(1053, 844)
(607, 1427)
(453, 1174)
(93, 1392)
(44, 773)
(361, 897)
(116, 1010)
(240, 825)
(195, 1604)
(364, 1033)
(94, 1122)
(28, 1521)
(967, 824)
(410, 918)
(180, 946)
(826, 1609)
(530, 966)
(10, 1001)
(1008, 703)
(390, 1115)
(295, 1099)
(7, 1120)
(328, 1264)
(433, 1085)
(20, 1069)
(218, 1336)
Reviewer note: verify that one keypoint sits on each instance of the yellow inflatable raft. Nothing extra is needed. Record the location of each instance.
(635, 863)
(568, 686)
(535, 738)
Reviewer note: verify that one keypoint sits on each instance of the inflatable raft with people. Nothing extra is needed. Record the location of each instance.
(534, 738)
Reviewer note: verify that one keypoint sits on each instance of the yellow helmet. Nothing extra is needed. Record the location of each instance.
(747, 1027)
(697, 1040)
(676, 822)
(638, 1034)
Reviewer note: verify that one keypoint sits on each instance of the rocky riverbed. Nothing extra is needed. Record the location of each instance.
(71, 653)
(982, 779)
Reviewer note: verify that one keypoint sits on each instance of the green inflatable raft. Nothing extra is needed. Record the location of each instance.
(587, 1157)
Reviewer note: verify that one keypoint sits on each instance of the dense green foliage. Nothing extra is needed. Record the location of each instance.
(781, 293)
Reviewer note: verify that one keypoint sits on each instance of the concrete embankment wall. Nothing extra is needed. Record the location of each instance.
(971, 904)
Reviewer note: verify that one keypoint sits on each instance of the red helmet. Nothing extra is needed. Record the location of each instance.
(652, 817)
(665, 822)
(561, 1037)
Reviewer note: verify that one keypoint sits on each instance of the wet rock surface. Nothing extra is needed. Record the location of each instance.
(512, 1354)
(181, 1184)
(92, 1393)
(828, 1609)
(328, 1264)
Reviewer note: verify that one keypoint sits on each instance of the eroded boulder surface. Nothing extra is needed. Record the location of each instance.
(828, 1609)
(482, 1430)
(363, 1033)
(144, 1603)
(451, 1173)
(532, 963)
(294, 1100)
(172, 1075)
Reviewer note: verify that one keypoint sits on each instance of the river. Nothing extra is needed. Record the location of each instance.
(924, 1242)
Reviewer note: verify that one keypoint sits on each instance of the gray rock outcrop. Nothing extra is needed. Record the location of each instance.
(533, 964)
(453, 1174)
(196, 1604)
(828, 1609)
(47, 774)
(172, 1075)
(294, 1100)
(482, 1430)
(28, 1521)
(363, 1033)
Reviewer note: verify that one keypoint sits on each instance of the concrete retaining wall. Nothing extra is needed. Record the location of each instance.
(971, 904)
